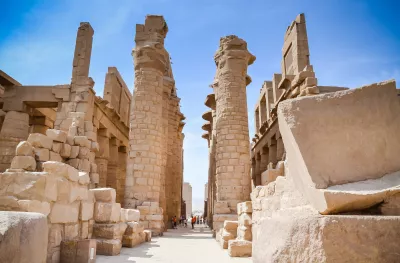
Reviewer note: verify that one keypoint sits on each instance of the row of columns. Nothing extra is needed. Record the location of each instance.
(267, 158)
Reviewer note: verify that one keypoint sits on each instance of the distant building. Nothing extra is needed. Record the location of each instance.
(187, 197)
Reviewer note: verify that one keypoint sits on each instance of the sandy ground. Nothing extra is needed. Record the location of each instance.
(177, 245)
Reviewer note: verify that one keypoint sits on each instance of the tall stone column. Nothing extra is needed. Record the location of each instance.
(168, 86)
(143, 184)
(233, 142)
(121, 174)
(172, 184)
(102, 156)
(112, 165)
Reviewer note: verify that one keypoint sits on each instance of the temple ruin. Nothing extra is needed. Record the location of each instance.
(83, 175)
(322, 166)
(107, 169)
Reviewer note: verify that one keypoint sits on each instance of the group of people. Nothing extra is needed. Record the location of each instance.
(183, 221)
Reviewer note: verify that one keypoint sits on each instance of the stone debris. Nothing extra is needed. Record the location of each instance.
(24, 237)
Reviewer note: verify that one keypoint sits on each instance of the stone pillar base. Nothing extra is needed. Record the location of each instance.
(151, 217)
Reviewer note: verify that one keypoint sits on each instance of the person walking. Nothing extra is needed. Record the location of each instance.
(193, 221)
(175, 223)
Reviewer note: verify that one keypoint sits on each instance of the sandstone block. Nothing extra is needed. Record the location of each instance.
(108, 247)
(244, 233)
(147, 235)
(82, 141)
(109, 231)
(84, 178)
(61, 169)
(28, 186)
(57, 135)
(71, 231)
(129, 215)
(245, 219)
(24, 237)
(56, 233)
(78, 251)
(133, 240)
(363, 114)
(65, 151)
(56, 147)
(27, 163)
(375, 236)
(222, 210)
(56, 157)
(107, 212)
(74, 163)
(64, 213)
(40, 141)
(239, 248)
(34, 206)
(42, 154)
(9, 203)
(84, 229)
(86, 211)
(133, 228)
(84, 165)
(83, 153)
(230, 225)
(244, 207)
(74, 152)
(154, 217)
(106, 195)
(24, 148)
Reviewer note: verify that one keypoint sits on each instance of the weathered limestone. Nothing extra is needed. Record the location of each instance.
(232, 151)
(375, 236)
(23, 237)
(328, 178)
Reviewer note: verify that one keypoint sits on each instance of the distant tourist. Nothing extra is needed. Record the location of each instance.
(175, 222)
(193, 221)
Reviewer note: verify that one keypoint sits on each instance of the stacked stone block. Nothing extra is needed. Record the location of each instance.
(228, 232)
(242, 245)
(59, 191)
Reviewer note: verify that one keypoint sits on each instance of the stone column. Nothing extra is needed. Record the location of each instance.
(143, 185)
(272, 151)
(112, 165)
(264, 161)
(15, 128)
(233, 142)
(121, 174)
(258, 169)
(280, 148)
(102, 156)
(168, 85)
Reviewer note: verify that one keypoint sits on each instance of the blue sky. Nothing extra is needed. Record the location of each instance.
(351, 42)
